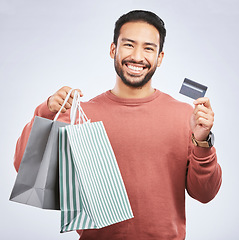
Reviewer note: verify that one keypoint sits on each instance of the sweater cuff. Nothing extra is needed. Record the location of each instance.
(201, 153)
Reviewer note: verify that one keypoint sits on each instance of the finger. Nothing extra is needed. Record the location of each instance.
(65, 89)
(62, 94)
(204, 101)
(79, 91)
(61, 101)
(202, 108)
(54, 103)
(201, 115)
(205, 113)
(202, 118)
(58, 102)
(67, 105)
(54, 107)
(208, 115)
(63, 110)
(58, 99)
(70, 100)
(206, 123)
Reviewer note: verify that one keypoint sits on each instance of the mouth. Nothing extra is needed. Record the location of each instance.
(135, 69)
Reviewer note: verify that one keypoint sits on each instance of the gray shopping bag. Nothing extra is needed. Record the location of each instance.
(37, 182)
(92, 191)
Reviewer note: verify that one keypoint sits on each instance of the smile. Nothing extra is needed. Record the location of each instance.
(135, 69)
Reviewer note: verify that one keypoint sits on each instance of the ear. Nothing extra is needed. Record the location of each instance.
(112, 50)
(160, 58)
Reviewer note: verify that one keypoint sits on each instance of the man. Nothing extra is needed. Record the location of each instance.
(151, 135)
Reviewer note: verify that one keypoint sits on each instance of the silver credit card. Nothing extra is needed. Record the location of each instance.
(192, 89)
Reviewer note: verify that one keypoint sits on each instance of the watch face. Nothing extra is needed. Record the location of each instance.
(211, 139)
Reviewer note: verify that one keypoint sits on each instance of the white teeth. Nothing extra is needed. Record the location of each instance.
(135, 68)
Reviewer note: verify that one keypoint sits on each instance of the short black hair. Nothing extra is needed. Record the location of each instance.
(144, 16)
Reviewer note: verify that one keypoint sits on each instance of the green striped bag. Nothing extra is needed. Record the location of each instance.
(92, 192)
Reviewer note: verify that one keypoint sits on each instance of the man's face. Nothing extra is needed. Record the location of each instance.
(136, 55)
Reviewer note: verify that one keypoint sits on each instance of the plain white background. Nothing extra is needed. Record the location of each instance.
(47, 44)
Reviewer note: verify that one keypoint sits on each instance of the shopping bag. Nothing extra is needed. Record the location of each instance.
(37, 181)
(92, 191)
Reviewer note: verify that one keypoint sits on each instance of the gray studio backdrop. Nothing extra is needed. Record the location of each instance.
(47, 44)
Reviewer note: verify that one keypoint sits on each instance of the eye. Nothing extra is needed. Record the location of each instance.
(149, 49)
(128, 45)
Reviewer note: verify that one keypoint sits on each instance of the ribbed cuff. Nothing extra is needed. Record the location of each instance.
(202, 153)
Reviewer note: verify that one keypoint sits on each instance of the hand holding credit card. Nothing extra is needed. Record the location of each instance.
(192, 89)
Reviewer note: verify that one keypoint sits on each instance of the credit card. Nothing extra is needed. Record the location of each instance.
(192, 89)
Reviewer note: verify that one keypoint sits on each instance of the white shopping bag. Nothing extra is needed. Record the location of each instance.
(92, 192)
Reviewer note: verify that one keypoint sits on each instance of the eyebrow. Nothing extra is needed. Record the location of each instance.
(146, 43)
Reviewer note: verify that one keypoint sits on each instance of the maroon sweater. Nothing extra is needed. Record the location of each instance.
(151, 138)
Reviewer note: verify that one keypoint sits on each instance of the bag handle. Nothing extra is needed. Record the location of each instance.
(75, 106)
(83, 115)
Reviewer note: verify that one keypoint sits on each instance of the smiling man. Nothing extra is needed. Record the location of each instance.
(136, 57)
(137, 52)
(151, 134)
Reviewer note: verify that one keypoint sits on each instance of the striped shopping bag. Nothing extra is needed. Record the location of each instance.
(92, 192)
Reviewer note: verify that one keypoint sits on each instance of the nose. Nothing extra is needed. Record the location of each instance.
(137, 54)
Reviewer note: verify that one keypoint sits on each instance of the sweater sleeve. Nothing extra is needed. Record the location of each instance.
(41, 111)
(204, 175)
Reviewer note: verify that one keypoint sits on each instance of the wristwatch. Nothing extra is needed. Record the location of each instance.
(206, 144)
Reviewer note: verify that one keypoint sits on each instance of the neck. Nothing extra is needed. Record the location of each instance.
(123, 91)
